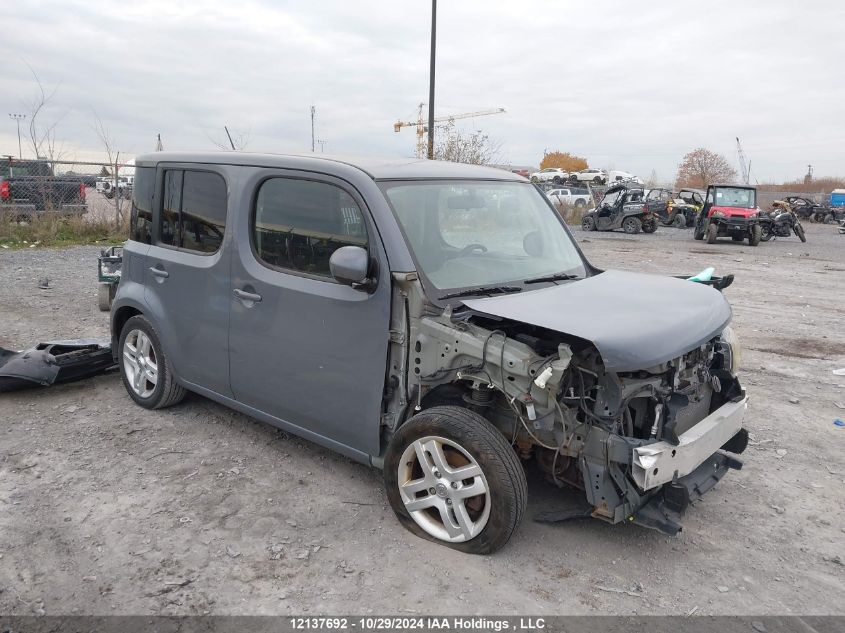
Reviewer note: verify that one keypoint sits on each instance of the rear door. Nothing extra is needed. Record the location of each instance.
(306, 350)
(188, 273)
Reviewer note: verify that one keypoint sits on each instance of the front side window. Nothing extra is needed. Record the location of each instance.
(141, 218)
(193, 210)
(470, 234)
(298, 224)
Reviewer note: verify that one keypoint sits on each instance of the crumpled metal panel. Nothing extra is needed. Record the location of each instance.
(635, 320)
(54, 362)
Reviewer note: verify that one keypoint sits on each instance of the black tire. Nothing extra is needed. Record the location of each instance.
(499, 464)
(679, 221)
(755, 235)
(556, 180)
(765, 235)
(580, 203)
(650, 226)
(712, 233)
(105, 295)
(799, 231)
(632, 225)
(698, 232)
(588, 223)
(166, 392)
(597, 180)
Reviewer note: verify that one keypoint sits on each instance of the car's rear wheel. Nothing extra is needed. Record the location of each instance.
(632, 225)
(588, 223)
(580, 203)
(556, 180)
(453, 478)
(679, 221)
(146, 372)
(597, 180)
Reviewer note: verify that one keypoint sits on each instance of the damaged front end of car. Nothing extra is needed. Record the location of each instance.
(643, 422)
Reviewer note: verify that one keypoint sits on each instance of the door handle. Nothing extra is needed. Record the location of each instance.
(159, 272)
(243, 295)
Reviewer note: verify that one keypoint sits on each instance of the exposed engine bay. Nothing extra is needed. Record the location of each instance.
(641, 444)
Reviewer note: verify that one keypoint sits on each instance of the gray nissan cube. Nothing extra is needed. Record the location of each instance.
(434, 320)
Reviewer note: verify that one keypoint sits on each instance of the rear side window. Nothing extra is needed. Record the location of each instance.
(193, 210)
(298, 224)
(141, 218)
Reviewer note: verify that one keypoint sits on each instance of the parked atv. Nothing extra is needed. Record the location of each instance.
(669, 210)
(622, 207)
(780, 222)
(729, 211)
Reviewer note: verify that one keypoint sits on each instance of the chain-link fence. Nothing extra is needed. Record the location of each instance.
(91, 190)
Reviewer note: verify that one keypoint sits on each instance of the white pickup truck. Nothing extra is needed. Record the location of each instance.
(572, 197)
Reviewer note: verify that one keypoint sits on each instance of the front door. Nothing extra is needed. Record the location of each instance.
(187, 274)
(305, 349)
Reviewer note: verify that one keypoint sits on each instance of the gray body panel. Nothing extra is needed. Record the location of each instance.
(634, 320)
(192, 301)
(311, 352)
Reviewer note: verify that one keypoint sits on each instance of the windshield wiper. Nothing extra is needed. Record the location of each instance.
(481, 290)
(553, 277)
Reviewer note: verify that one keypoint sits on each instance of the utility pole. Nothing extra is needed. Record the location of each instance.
(230, 138)
(313, 110)
(322, 145)
(431, 81)
(17, 118)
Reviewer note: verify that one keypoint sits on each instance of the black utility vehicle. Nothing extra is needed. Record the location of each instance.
(669, 210)
(623, 207)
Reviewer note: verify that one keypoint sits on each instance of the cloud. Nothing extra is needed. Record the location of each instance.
(628, 85)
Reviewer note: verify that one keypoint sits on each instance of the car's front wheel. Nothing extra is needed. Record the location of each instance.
(453, 478)
(146, 371)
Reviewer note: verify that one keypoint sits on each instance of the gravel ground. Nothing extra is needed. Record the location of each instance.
(106, 508)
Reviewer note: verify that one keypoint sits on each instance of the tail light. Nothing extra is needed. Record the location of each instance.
(5, 194)
(82, 191)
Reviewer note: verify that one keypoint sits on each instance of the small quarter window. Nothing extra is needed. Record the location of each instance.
(193, 210)
(298, 224)
(141, 218)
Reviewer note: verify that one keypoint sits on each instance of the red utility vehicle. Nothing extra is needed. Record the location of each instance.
(729, 211)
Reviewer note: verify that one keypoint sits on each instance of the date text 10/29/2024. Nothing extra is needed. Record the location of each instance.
(417, 623)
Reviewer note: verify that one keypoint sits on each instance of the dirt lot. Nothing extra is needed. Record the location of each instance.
(106, 508)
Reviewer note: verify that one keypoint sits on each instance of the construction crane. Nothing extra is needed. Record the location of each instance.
(422, 128)
(744, 165)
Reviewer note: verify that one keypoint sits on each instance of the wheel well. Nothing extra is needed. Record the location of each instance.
(121, 317)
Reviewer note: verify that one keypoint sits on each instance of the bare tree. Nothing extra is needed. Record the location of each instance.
(474, 148)
(42, 135)
(701, 167)
(120, 197)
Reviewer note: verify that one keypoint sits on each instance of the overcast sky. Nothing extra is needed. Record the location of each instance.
(628, 85)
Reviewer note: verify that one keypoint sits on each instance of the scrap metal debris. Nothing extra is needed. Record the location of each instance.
(54, 362)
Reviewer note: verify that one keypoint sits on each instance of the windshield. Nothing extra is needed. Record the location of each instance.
(470, 234)
(736, 197)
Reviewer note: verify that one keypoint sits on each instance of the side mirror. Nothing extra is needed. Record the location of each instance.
(349, 265)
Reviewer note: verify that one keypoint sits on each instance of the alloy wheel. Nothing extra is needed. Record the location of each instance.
(444, 489)
(140, 363)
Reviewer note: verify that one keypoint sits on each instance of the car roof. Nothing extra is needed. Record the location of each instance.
(378, 168)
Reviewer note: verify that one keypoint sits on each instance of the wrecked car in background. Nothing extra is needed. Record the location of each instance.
(436, 320)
